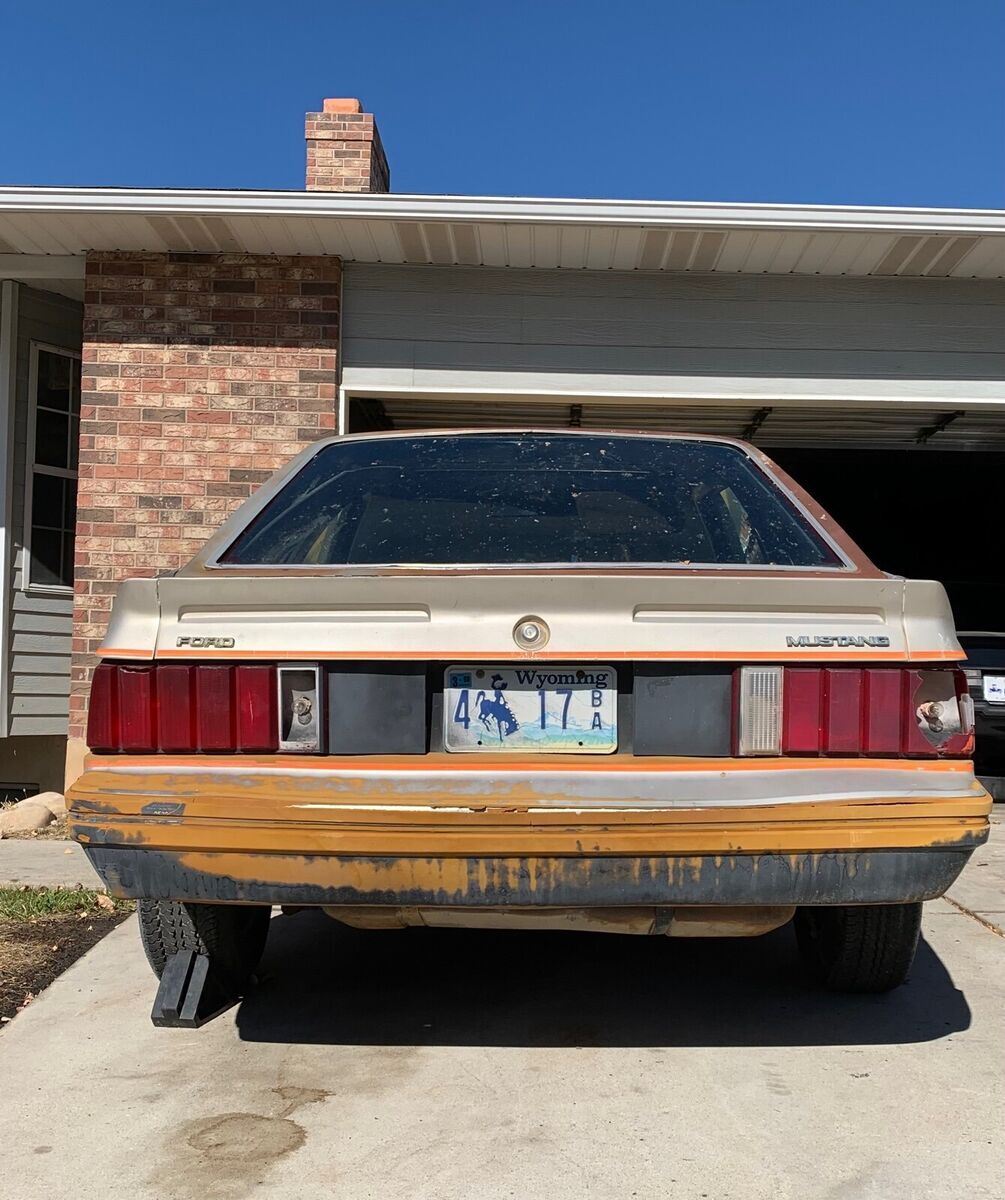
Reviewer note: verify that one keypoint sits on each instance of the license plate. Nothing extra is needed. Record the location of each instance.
(994, 688)
(570, 710)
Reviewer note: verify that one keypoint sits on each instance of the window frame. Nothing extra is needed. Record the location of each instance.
(31, 468)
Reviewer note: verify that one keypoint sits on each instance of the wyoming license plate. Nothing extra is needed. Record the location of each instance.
(557, 709)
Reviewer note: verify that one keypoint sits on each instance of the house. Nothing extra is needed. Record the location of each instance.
(218, 332)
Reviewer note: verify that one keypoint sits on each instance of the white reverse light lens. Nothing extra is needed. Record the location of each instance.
(760, 710)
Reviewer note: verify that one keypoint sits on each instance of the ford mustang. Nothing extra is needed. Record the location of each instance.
(539, 679)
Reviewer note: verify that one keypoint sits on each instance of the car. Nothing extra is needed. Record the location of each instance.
(533, 679)
(985, 672)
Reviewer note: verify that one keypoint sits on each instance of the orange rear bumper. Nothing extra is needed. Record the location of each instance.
(433, 831)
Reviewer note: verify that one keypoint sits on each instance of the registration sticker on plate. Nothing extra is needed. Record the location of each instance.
(563, 709)
(994, 688)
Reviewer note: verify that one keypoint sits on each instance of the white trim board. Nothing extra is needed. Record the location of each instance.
(9, 300)
(30, 466)
(779, 391)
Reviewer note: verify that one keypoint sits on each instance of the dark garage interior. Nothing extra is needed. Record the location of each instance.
(917, 513)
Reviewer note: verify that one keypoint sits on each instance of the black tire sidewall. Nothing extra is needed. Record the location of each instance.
(859, 948)
(232, 936)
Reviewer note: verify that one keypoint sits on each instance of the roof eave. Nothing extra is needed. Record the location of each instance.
(487, 209)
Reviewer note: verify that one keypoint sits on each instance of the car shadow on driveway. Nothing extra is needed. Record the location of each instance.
(323, 983)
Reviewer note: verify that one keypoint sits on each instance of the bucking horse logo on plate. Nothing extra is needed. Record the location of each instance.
(497, 709)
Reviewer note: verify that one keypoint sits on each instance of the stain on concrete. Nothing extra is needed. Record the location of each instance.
(227, 1155)
(245, 1137)
(297, 1097)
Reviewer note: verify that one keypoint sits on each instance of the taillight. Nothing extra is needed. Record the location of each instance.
(214, 707)
(803, 706)
(883, 717)
(760, 725)
(892, 712)
(103, 709)
(257, 723)
(137, 708)
(841, 727)
(938, 713)
(177, 708)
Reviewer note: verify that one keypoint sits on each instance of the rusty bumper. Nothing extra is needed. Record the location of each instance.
(659, 833)
(848, 877)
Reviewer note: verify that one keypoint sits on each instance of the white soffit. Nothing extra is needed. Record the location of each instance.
(622, 235)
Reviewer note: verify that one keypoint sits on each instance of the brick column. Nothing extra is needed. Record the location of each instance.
(344, 153)
(202, 373)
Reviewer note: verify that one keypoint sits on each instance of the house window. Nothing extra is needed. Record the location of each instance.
(53, 440)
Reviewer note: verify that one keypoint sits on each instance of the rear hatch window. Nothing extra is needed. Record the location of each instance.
(530, 499)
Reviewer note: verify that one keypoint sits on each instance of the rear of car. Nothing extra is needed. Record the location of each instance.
(533, 679)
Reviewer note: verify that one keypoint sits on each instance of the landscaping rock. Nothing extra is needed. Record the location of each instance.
(25, 818)
(55, 802)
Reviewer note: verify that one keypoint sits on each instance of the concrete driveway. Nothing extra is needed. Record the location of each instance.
(452, 1066)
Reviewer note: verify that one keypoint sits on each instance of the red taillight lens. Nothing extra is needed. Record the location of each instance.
(882, 711)
(175, 710)
(137, 712)
(103, 709)
(257, 723)
(178, 708)
(883, 720)
(842, 706)
(214, 707)
(802, 707)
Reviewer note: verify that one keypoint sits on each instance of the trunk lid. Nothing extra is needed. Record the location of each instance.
(589, 615)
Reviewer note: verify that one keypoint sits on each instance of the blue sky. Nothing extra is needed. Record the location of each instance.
(818, 101)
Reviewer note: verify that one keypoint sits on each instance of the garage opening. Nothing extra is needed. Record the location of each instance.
(906, 482)
(916, 513)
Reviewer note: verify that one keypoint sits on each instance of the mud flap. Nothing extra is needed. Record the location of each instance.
(190, 993)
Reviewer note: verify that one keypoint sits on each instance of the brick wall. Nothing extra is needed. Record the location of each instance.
(201, 375)
(344, 153)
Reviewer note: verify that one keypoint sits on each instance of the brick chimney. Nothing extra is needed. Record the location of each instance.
(344, 153)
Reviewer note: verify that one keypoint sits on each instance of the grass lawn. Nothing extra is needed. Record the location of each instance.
(43, 931)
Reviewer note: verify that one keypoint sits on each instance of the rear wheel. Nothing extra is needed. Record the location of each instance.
(859, 948)
(232, 936)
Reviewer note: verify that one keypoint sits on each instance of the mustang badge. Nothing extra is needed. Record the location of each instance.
(836, 640)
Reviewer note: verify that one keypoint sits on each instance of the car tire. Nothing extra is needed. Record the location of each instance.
(232, 936)
(859, 948)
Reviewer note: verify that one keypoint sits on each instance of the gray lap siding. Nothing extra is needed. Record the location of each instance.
(39, 621)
